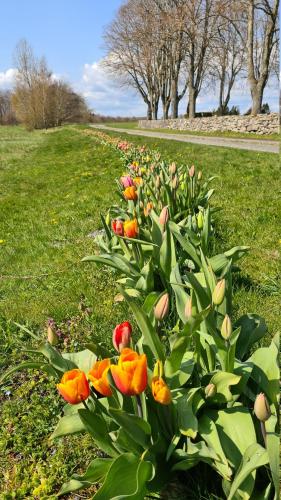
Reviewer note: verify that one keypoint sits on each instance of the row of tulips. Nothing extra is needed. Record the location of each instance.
(190, 390)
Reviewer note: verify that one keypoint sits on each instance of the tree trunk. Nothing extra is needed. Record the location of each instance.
(192, 102)
(257, 95)
(166, 106)
(149, 112)
(174, 99)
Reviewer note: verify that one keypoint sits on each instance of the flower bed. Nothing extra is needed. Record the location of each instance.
(182, 394)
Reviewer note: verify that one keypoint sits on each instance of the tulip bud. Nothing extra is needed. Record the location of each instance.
(188, 308)
(107, 219)
(121, 336)
(261, 408)
(200, 220)
(172, 168)
(219, 292)
(161, 309)
(164, 216)
(210, 390)
(52, 336)
(226, 328)
(141, 204)
(175, 182)
(157, 182)
(199, 176)
(191, 171)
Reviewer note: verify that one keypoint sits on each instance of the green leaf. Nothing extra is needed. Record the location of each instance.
(253, 328)
(206, 231)
(209, 432)
(135, 426)
(187, 404)
(97, 469)
(97, 427)
(84, 360)
(185, 243)
(223, 381)
(266, 371)
(167, 254)
(180, 294)
(272, 445)
(114, 260)
(54, 357)
(69, 424)
(195, 453)
(72, 485)
(255, 456)
(179, 377)
(126, 478)
(150, 336)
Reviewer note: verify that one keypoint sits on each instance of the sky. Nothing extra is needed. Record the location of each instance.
(69, 34)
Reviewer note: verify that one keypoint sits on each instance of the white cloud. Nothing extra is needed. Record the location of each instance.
(105, 94)
(7, 78)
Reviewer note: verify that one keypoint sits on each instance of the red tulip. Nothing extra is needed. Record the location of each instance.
(117, 227)
(121, 335)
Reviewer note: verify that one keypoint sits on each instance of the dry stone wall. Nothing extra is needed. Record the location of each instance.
(260, 124)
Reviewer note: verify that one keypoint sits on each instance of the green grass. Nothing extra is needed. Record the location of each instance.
(53, 186)
(227, 134)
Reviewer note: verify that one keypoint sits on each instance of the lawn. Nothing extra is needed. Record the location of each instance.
(234, 135)
(54, 185)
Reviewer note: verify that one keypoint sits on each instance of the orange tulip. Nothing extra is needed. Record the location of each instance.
(161, 391)
(137, 181)
(130, 375)
(130, 193)
(148, 208)
(98, 376)
(74, 386)
(131, 228)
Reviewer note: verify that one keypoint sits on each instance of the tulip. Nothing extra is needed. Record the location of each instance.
(200, 220)
(164, 216)
(157, 182)
(175, 182)
(188, 308)
(172, 168)
(226, 328)
(52, 336)
(121, 335)
(199, 176)
(210, 390)
(137, 181)
(148, 208)
(191, 171)
(219, 292)
(130, 375)
(261, 408)
(98, 377)
(130, 193)
(117, 227)
(161, 309)
(126, 181)
(131, 228)
(74, 387)
(107, 219)
(161, 391)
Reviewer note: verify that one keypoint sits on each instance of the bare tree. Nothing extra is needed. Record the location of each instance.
(7, 116)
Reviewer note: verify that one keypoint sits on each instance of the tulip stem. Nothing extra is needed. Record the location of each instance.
(139, 406)
(263, 431)
(85, 405)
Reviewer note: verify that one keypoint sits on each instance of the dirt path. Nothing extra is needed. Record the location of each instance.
(249, 144)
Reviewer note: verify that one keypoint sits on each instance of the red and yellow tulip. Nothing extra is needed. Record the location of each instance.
(131, 228)
(130, 375)
(117, 227)
(159, 388)
(130, 193)
(74, 386)
(121, 335)
(98, 377)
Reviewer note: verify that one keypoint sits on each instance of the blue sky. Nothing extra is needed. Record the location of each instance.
(69, 34)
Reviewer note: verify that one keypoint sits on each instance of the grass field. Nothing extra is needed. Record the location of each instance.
(234, 135)
(53, 187)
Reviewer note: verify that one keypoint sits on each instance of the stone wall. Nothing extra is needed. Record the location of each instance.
(260, 124)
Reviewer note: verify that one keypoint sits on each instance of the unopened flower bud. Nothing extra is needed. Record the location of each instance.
(157, 182)
(164, 216)
(107, 219)
(122, 335)
(161, 309)
(226, 327)
(175, 182)
(199, 176)
(141, 204)
(210, 390)
(261, 408)
(219, 292)
(188, 308)
(172, 168)
(52, 336)
(191, 171)
(200, 220)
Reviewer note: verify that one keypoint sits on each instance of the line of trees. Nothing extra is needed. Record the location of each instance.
(166, 49)
(38, 100)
